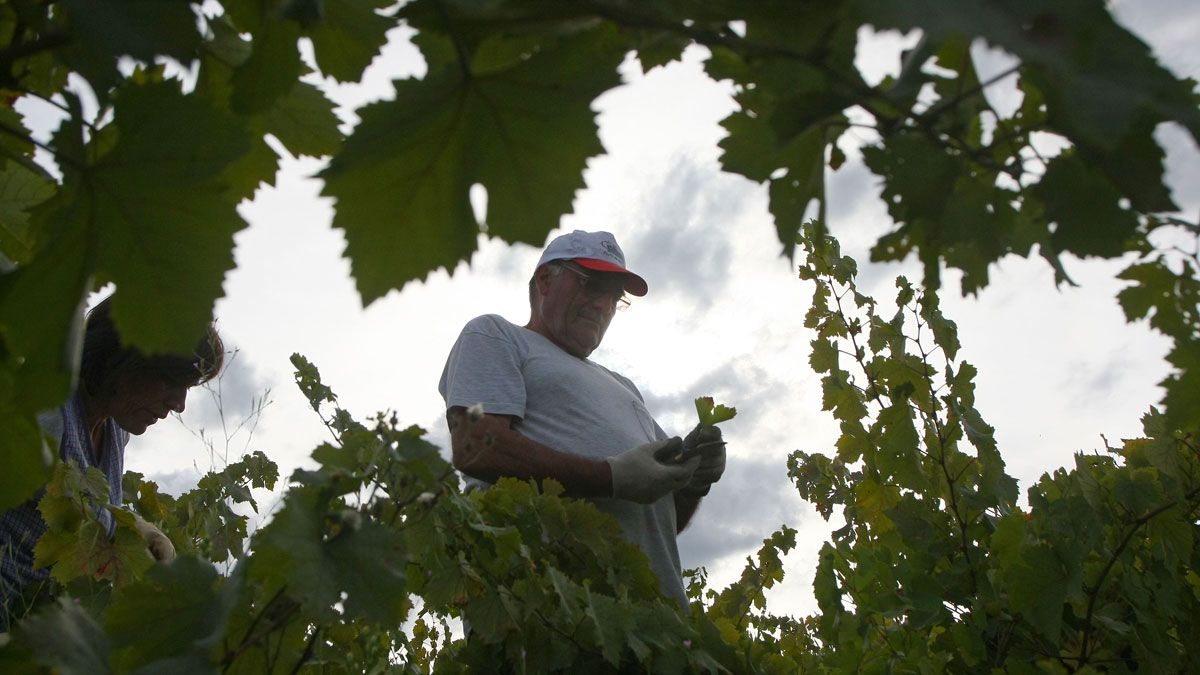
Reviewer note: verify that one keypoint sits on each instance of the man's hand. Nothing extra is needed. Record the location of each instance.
(638, 475)
(160, 546)
(712, 459)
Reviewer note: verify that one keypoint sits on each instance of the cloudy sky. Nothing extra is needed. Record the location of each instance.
(1058, 366)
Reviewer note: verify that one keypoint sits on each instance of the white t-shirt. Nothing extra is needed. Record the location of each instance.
(570, 404)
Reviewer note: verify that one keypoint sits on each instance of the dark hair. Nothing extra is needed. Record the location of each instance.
(104, 357)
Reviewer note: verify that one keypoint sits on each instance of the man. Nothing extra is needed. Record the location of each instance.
(527, 402)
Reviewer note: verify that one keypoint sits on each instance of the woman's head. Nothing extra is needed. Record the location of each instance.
(138, 390)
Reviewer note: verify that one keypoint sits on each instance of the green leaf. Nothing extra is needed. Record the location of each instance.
(945, 208)
(349, 37)
(658, 48)
(308, 379)
(524, 133)
(945, 331)
(1034, 576)
(162, 215)
(41, 312)
(21, 188)
(824, 357)
(102, 30)
(66, 638)
(490, 613)
(803, 183)
(1085, 206)
(304, 121)
(710, 413)
(899, 447)
(1100, 81)
(29, 455)
(272, 69)
(365, 562)
(174, 612)
(611, 624)
(1182, 397)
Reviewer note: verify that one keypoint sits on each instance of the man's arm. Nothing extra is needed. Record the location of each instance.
(486, 447)
(685, 508)
(709, 442)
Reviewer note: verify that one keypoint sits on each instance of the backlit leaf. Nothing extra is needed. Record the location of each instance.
(523, 133)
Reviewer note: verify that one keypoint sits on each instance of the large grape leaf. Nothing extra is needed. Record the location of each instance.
(946, 209)
(1086, 209)
(304, 121)
(523, 129)
(365, 560)
(65, 638)
(174, 612)
(271, 70)
(22, 186)
(152, 214)
(302, 118)
(28, 453)
(102, 30)
(791, 110)
(162, 215)
(349, 37)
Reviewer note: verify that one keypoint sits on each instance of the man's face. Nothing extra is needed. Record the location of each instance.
(576, 306)
(142, 398)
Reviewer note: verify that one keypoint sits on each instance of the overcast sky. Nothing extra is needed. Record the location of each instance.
(1058, 366)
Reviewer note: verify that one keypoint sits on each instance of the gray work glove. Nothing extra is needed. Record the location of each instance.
(639, 476)
(712, 459)
(160, 546)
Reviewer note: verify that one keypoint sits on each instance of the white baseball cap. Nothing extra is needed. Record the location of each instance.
(595, 251)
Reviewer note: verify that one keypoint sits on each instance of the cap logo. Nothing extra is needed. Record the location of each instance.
(610, 249)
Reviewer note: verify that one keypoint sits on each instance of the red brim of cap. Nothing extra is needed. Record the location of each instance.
(634, 285)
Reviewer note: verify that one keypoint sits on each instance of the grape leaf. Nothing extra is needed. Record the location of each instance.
(22, 186)
(41, 310)
(173, 612)
(611, 624)
(272, 69)
(1086, 208)
(524, 132)
(28, 452)
(711, 413)
(349, 37)
(304, 121)
(165, 217)
(65, 638)
(102, 30)
(365, 562)
(1099, 79)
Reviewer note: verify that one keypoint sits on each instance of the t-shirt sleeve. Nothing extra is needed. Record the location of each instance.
(484, 368)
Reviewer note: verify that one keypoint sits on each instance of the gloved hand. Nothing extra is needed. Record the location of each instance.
(712, 459)
(160, 546)
(638, 475)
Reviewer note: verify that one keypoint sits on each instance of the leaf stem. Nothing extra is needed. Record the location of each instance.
(873, 390)
(1094, 591)
(60, 157)
(308, 650)
(942, 106)
(19, 50)
(951, 482)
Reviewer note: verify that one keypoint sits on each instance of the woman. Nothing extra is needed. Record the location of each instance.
(120, 392)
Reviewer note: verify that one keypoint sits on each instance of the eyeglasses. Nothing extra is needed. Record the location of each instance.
(595, 287)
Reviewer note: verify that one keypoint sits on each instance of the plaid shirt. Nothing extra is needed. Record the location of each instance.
(22, 526)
